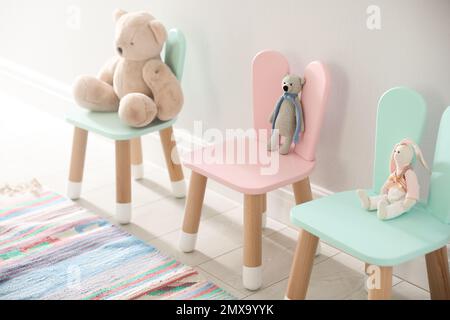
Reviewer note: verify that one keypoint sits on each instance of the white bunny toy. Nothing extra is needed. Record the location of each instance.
(401, 191)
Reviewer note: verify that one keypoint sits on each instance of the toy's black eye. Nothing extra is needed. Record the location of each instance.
(132, 43)
(398, 151)
(290, 84)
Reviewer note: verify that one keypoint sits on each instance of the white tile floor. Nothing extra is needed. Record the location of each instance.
(37, 145)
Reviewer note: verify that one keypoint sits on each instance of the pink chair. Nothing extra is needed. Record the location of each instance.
(269, 68)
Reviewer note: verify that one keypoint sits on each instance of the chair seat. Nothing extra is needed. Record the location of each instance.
(250, 177)
(340, 221)
(109, 125)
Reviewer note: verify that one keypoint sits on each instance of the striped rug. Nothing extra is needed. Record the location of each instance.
(51, 248)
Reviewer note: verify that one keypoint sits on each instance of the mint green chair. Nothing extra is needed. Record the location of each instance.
(128, 141)
(340, 221)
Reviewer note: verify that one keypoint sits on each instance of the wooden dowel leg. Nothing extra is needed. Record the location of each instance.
(380, 280)
(192, 215)
(264, 210)
(302, 191)
(123, 182)
(173, 162)
(252, 270)
(302, 266)
(80, 137)
(438, 274)
(137, 166)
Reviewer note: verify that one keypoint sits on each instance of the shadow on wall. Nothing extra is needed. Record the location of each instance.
(436, 105)
(198, 53)
(329, 158)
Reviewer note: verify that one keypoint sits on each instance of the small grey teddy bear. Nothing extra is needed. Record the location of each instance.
(287, 117)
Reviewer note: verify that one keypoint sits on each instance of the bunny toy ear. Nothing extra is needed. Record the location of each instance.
(420, 156)
(417, 152)
(392, 163)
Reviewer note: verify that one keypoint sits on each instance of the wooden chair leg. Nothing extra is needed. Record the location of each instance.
(438, 274)
(192, 215)
(173, 162)
(80, 137)
(264, 210)
(137, 167)
(381, 287)
(302, 191)
(302, 266)
(366, 276)
(123, 182)
(252, 270)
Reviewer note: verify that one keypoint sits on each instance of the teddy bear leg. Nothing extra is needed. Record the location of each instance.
(286, 147)
(137, 110)
(94, 94)
(165, 87)
(274, 141)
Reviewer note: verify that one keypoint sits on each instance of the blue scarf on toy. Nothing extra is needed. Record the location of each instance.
(291, 98)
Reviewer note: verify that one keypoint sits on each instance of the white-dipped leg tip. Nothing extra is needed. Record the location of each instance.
(286, 298)
(123, 213)
(252, 277)
(179, 189)
(187, 242)
(137, 171)
(318, 250)
(264, 220)
(74, 190)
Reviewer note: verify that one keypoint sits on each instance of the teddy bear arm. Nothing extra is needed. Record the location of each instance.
(106, 74)
(165, 87)
(302, 115)
(156, 74)
(272, 116)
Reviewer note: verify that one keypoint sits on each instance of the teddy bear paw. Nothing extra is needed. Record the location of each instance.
(137, 110)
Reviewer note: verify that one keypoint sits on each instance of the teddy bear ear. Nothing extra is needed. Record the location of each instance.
(118, 14)
(159, 31)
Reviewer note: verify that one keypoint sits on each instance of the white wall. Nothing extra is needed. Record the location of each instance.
(412, 49)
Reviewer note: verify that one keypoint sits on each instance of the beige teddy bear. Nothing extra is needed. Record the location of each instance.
(136, 83)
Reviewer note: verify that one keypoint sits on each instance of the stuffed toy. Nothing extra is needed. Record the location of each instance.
(136, 83)
(401, 191)
(287, 118)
